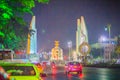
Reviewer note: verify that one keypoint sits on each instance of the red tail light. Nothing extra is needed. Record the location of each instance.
(66, 66)
(8, 76)
(80, 66)
(53, 66)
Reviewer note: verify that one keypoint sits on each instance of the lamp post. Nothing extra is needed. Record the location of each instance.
(69, 46)
(109, 38)
(109, 31)
(108, 28)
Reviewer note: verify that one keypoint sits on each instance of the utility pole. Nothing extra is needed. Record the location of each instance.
(109, 31)
(108, 28)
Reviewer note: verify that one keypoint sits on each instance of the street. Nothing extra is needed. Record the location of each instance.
(88, 74)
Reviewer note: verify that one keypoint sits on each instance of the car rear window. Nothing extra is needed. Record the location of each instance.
(74, 63)
(20, 70)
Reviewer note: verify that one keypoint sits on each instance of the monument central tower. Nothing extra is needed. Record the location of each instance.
(32, 38)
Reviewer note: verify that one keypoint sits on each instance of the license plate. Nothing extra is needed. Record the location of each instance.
(75, 66)
(74, 72)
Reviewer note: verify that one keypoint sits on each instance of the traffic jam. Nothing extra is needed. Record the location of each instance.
(23, 69)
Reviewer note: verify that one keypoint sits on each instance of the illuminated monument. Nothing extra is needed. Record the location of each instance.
(81, 34)
(57, 52)
(32, 38)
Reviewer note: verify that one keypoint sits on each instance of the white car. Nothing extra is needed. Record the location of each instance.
(118, 61)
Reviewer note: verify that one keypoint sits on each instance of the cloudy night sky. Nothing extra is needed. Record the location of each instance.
(57, 20)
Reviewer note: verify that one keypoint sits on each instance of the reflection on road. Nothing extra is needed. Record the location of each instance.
(81, 75)
(75, 76)
(54, 71)
(88, 74)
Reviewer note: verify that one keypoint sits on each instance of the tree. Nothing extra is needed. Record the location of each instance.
(12, 24)
(117, 49)
(2, 34)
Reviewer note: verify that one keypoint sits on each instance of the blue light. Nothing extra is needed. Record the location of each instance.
(106, 29)
(113, 42)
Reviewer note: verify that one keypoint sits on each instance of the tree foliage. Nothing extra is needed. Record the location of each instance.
(117, 47)
(13, 27)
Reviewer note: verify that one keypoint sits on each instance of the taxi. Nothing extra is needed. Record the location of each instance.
(21, 71)
(73, 67)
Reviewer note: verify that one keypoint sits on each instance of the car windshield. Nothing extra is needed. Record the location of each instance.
(20, 70)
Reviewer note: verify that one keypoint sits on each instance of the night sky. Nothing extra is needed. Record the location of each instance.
(58, 20)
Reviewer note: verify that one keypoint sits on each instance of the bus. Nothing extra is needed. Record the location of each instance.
(6, 54)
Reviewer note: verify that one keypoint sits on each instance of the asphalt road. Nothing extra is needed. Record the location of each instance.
(88, 74)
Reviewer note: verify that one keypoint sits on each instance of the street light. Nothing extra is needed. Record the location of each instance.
(108, 28)
(109, 31)
(102, 39)
(69, 46)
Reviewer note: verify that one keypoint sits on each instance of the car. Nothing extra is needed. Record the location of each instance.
(53, 65)
(73, 67)
(21, 71)
(47, 63)
(118, 61)
(39, 66)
